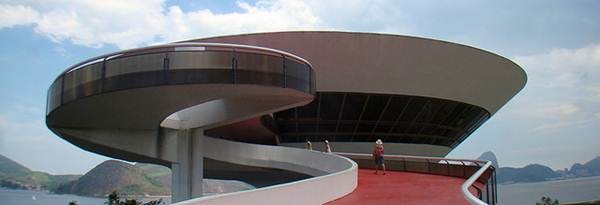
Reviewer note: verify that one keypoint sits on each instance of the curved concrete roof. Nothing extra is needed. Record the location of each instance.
(394, 64)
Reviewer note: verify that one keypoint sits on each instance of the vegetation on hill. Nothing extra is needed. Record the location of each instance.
(115, 199)
(16, 176)
(153, 170)
(210, 186)
(9, 167)
(547, 201)
(113, 175)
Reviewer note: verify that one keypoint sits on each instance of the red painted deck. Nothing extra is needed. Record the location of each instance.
(404, 188)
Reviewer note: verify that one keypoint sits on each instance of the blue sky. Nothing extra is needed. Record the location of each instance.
(555, 120)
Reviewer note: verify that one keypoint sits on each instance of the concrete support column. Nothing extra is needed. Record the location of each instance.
(188, 170)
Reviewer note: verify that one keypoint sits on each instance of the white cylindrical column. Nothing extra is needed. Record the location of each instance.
(188, 170)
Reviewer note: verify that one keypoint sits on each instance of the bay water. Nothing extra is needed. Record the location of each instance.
(25, 197)
(569, 190)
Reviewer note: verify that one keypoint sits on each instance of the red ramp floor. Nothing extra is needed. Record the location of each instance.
(404, 188)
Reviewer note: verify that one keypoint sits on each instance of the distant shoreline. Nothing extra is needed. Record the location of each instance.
(25, 197)
(566, 191)
(551, 180)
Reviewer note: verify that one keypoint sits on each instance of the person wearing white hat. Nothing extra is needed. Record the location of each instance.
(308, 145)
(327, 147)
(378, 156)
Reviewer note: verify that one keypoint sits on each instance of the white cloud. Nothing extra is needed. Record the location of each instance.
(263, 16)
(17, 15)
(561, 110)
(563, 90)
(563, 67)
(141, 22)
(553, 126)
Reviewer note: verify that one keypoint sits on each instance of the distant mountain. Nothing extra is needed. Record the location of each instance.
(210, 186)
(159, 173)
(537, 172)
(591, 168)
(10, 168)
(113, 175)
(490, 156)
(137, 179)
(529, 173)
(16, 176)
(153, 170)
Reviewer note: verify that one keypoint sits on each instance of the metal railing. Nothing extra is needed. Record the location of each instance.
(479, 174)
(154, 64)
(186, 47)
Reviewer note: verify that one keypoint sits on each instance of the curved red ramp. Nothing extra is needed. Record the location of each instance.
(404, 188)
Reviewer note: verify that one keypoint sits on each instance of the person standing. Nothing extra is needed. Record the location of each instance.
(378, 151)
(308, 145)
(327, 147)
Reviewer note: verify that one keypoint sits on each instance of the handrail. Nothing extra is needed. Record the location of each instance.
(178, 45)
(337, 179)
(465, 186)
(412, 157)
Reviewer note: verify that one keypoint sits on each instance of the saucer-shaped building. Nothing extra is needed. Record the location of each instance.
(420, 96)
(240, 106)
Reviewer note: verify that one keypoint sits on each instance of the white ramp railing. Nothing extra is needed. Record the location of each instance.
(335, 176)
(465, 186)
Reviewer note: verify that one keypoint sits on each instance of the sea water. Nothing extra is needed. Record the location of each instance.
(24, 197)
(570, 190)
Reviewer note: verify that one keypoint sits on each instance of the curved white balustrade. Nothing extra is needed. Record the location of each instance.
(465, 186)
(336, 176)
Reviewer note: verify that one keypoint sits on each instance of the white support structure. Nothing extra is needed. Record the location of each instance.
(188, 170)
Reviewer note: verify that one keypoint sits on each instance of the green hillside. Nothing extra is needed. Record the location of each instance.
(117, 176)
(111, 175)
(16, 176)
(153, 170)
(10, 168)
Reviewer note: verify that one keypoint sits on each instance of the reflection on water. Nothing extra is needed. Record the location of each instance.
(571, 190)
(22, 197)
